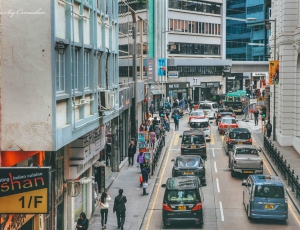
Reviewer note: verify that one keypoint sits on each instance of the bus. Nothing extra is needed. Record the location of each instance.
(234, 100)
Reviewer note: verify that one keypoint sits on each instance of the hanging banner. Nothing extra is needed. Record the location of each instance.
(273, 72)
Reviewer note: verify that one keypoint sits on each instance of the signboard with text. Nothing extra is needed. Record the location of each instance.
(273, 72)
(25, 190)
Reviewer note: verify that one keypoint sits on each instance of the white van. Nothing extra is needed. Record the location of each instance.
(211, 108)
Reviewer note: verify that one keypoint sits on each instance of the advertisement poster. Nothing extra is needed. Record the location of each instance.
(273, 72)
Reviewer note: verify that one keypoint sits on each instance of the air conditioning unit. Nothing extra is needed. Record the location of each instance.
(104, 100)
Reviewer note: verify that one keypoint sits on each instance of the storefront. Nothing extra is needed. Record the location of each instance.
(178, 90)
(234, 82)
(208, 89)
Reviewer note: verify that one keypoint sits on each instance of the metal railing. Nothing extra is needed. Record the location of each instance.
(157, 153)
(282, 165)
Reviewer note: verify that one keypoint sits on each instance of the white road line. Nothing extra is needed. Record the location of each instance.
(218, 187)
(221, 211)
(213, 152)
(215, 164)
(174, 149)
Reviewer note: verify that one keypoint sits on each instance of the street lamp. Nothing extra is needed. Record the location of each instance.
(274, 57)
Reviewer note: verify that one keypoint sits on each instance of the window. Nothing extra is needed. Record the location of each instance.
(75, 69)
(178, 196)
(86, 68)
(60, 72)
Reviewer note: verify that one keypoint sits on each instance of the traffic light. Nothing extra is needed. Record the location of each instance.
(264, 112)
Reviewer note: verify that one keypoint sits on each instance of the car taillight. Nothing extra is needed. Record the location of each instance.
(231, 141)
(167, 208)
(221, 126)
(233, 115)
(219, 115)
(197, 207)
(249, 141)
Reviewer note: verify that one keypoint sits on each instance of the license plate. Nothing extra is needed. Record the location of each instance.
(240, 143)
(193, 146)
(269, 206)
(181, 207)
(247, 171)
(188, 173)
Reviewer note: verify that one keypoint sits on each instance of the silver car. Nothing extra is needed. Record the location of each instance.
(202, 124)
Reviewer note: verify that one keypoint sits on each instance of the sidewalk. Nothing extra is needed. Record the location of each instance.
(128, 180)
(289, 154)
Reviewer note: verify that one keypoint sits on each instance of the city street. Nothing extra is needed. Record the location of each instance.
(223, 206)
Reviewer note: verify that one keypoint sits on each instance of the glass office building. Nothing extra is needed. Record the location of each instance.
(247, 40)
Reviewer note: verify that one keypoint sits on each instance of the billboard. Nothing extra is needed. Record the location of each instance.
(273, 72)
(25, 190)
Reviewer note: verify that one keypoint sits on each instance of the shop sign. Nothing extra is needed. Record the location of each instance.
(25, 190)
(150, 69)
(258, 74)
(273, 72)
(231, 78)
(173, 74)
(179, 85)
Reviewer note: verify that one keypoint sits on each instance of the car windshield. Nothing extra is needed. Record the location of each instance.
(193, 139)
(229, 121)
(205, 106)
(269, 191)
(199, 124)
(246, 151)
(244, 136)
(187, 161)
(197, 113)
(181, 196)
(226, 113)
(215, 106)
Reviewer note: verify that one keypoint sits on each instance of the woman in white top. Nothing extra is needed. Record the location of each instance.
(104, 205)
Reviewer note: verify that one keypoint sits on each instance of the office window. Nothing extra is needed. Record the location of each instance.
(86, 68)
(60, 72)
(75, 69)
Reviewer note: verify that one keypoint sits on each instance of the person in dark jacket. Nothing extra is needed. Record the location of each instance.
(176, 120)
(82, 222)
(145, 180)
(256, 114)
(269, 129)
(120, 208)
(131, 152)
(151, 109)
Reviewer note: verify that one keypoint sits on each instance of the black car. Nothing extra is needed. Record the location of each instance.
(189, 165)
(193, 143)
(182, 200)
(224, 112)
(236, 136)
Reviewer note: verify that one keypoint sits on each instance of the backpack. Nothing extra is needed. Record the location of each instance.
(269, 126)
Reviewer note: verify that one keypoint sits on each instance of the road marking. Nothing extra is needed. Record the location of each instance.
(174, 149)
(221, 211)
(222, 137)
(270, 173)
(294, 215)
(213, 152)
(159, 183)
(215, 164)
(176, 139)
(212, 139)
(218, 187)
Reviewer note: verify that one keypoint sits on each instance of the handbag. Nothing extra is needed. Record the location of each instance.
(141, 179)
(104, 205)
(145, 185)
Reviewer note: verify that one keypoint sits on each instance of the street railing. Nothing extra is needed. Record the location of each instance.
(156, 153)
(282, 165)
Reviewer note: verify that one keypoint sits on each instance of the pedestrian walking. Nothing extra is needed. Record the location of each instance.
(152, 138)
(145, 180)
(120, 208)
(269, 129)
(82, 222)
(157, 131)
(163, 134)
(104, 205)
(256, 114)
(108, 153)
(140, 159)
(131, 152)
(176, 120)
(151, 109)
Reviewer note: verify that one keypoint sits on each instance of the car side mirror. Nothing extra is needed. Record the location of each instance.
(163, 185)
(210, 122)
(236, 120)
(244, 183)
(180, 135)
(172, 160)
(259, 150)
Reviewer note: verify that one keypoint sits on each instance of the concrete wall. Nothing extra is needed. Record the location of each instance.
(26, 104)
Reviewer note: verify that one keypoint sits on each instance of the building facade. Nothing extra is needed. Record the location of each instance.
(61, 101)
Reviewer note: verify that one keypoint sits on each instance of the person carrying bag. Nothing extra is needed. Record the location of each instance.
(104, 205)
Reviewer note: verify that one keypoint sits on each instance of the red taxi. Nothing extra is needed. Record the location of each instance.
(226, 123)
(199, 113)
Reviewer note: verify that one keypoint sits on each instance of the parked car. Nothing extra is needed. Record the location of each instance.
(265, 197)
(226, 123)
(190, 165)
(245, 159)
(236, 136)
(202, 124)
(224, 112)
(182, 201)
(193, 143)
(199, 113)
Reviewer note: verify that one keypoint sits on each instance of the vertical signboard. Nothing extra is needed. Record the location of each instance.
(273, 72)
(150, 69)
(25, 190)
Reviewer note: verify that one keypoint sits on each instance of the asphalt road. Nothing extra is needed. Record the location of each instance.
(223, 206)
